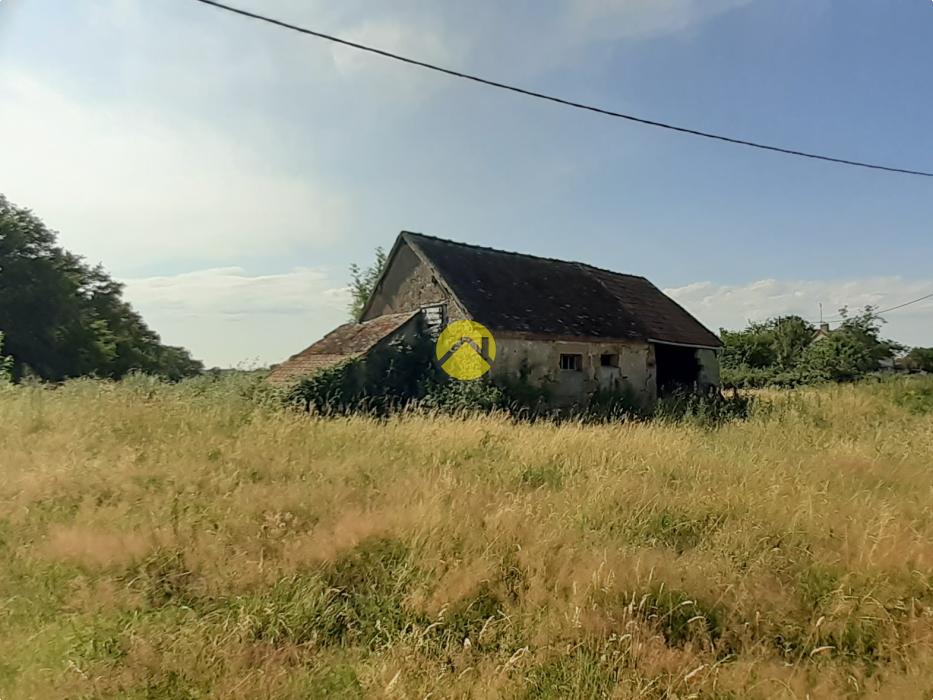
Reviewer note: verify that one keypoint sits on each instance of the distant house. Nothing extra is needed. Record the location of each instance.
(885, 364)
(822, 332)
(571, 326)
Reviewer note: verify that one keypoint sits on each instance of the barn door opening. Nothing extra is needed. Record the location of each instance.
(677, 368)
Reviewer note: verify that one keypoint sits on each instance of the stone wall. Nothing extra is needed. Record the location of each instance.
(408, 285)
(540, 361)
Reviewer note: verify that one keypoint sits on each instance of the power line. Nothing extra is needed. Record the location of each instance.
(891, 308)
(560, 100)
(906, 303)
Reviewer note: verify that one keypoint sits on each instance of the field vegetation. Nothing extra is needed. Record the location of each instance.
(192, 540)
(785, 351)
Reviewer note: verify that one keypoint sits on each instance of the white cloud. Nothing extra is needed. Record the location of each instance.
(127, 187)
(227, 317)
(422, 32)
(732, 306)
(620, 19)
(422, 40)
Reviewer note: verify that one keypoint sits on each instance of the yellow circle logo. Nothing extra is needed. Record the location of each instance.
(465, 350)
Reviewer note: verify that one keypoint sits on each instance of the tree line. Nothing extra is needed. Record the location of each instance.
(788, 350)
(62, 318)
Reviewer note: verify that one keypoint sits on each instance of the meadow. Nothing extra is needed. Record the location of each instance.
(193, 541)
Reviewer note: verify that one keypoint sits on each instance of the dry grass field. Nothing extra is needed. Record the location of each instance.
(184, 542)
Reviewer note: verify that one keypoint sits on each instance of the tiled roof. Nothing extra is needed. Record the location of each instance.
(521, 293)
(344, 342)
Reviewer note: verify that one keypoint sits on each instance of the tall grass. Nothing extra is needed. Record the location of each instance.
(190, 541)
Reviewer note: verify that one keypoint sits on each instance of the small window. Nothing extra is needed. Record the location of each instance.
(609, 359)
(572, 362)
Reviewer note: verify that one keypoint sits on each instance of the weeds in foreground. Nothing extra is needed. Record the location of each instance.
(194, 540)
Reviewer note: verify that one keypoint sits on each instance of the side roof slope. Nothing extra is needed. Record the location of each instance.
(542, 296)
(344, 342)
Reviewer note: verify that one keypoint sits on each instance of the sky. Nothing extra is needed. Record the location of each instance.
(228, 172)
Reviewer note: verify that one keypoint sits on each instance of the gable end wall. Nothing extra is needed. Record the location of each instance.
(407, 285)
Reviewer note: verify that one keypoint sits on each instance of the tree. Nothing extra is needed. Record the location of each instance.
(363, 283)
(865, 329)
(62, 318)
(749, 348)
(767, 352)
(778, 342)
(783, 350)
(919, 359)
(790, 337)
(840, 357)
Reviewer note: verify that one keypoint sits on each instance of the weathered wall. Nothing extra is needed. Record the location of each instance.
(541, 360)
(407, 285)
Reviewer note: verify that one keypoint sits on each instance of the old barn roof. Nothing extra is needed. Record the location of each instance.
(344, 342)
(542, 296)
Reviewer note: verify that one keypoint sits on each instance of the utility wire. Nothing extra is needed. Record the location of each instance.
(560, 100)
(906, 303)
(894, 308)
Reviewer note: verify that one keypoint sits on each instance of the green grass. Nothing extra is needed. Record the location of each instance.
(197, 541)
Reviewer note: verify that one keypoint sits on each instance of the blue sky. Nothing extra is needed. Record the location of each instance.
(229, 172)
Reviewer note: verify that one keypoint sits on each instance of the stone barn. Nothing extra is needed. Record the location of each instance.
(571, 326)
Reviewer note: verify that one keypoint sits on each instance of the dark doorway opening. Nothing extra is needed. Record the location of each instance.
(677, 368)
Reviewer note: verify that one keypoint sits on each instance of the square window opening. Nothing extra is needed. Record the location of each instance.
(571, 361)
(609, 359)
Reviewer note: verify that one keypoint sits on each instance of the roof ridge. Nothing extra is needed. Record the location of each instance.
(490, 249)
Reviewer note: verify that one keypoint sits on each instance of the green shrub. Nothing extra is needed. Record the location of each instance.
(332, 390)
(6, 365)
(708, 409)
(390, 379)
(451, 396)
(613, 404)
(838, 358)
(403, 376)
(745, 377)
(914, 394)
